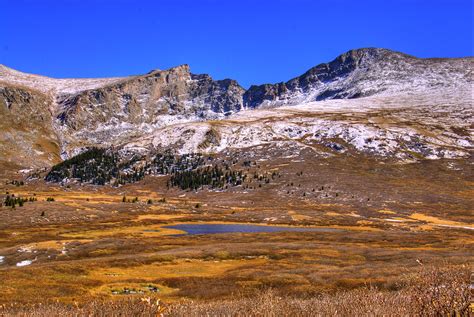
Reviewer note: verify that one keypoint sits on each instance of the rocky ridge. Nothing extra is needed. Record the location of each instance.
(362, 73)
(175, 109)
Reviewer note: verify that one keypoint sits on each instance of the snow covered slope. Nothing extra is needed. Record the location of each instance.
(395, 127)
(52, 85)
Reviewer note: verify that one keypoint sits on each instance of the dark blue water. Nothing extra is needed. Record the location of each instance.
(244, 228)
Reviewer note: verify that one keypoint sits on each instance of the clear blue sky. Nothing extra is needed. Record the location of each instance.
(252, 41)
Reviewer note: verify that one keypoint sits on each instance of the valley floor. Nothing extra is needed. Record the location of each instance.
(393, 221)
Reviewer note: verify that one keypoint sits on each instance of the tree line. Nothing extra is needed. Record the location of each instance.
(189, 171)
(212, 177)
(12, 201)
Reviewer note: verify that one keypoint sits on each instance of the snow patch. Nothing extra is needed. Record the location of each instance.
(25, 262)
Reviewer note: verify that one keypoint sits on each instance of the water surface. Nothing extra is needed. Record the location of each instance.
(211, 228)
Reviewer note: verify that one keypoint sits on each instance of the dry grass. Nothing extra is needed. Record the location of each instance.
(130, 231)
(182, 268)
(439, 222)
(430, 292)
(433, 292)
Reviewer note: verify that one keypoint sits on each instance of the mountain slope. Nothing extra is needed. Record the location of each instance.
(365, 72)
(428, 103)
(132, 106)
(27, 137)
(143, 99)
(388, 127)
(87, 112)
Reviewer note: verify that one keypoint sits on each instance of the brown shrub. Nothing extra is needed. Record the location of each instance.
(430, 292)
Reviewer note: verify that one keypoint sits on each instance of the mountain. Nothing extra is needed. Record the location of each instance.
(87, 112)
(143, 99)
(362, 73)
(372, 101)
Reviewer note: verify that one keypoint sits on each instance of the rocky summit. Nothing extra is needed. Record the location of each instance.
(362, 73)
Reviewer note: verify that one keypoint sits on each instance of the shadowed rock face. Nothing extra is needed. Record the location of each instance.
(221, 96)
(256, 95)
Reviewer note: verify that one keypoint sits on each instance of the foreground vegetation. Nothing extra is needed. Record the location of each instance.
(430, 292)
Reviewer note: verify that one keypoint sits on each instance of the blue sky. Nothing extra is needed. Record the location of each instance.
(253, 42)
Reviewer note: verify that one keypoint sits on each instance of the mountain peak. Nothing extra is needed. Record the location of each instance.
(181, 68)
(184, 68)
(359, 73)
(373, 53)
